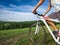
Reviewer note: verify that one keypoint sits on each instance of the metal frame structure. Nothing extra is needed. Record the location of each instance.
(50, 31)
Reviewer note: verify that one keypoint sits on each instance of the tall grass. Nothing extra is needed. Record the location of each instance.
(20, 37)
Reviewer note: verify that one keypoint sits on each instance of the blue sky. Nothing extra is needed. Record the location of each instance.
(20, 10)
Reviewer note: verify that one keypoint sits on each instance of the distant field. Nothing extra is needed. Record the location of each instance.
(19, 37)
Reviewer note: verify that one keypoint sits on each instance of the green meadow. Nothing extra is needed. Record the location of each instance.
(19, 37)
(14, 35)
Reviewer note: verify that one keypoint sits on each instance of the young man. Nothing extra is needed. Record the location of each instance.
(55, 15)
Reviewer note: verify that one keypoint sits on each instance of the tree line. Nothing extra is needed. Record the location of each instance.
(15, 25)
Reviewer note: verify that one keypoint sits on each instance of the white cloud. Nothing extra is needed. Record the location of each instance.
(22, 8)
(25, 8)
(6, 15)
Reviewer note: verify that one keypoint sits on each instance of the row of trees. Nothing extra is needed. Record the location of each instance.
(14, 25)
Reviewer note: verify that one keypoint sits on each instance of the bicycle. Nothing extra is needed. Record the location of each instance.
(37, 31)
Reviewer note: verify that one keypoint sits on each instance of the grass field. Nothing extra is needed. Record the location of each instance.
(19, 37)
(13, 37)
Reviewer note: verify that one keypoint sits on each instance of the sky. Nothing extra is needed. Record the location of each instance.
(21, 10)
